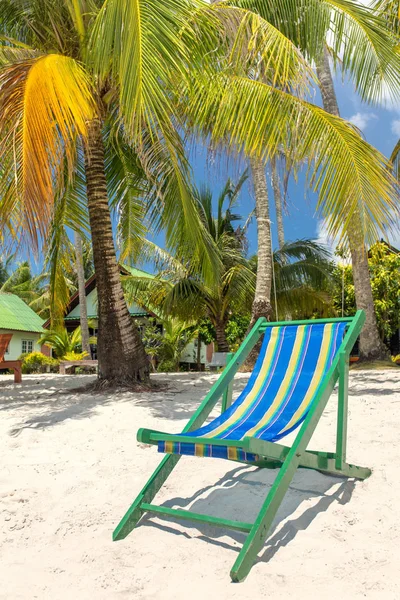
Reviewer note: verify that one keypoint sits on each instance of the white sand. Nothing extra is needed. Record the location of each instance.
(71, 467)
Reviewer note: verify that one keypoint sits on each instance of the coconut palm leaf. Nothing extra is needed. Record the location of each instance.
(348, 174)
(359, 38)
(45, 104)
(69, 214)
(127, 190)
(389, 10)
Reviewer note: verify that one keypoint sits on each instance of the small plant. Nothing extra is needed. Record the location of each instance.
(62, 342)
(36, 362)
(166, 347)
(167, 366)
(75, 355)
(396, 359)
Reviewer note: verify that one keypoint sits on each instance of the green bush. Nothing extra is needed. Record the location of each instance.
(36, 362)
(167, 366)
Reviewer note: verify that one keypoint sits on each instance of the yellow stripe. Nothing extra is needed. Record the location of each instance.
(287, 380)
(232, 453)
(252, 395)
(199, 450)
(315, 381)
(169, 447)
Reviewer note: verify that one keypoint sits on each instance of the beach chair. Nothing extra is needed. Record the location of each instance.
(297, 368)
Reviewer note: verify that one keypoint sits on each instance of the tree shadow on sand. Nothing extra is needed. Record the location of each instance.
(45, 404)
(240, 494)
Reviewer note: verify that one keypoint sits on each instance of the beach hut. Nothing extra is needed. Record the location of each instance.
(22, 323)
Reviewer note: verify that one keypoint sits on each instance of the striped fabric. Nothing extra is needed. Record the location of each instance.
(286, 379)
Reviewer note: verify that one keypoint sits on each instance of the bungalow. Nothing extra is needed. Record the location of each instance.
(26, 327)
(140, 315)
(73, 312)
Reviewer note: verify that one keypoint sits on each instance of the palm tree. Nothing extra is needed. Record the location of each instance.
(70, 70)
(303, 276)
(30, 288)
(367, 49)
(80, 272)
(181, 291)
(371, 346)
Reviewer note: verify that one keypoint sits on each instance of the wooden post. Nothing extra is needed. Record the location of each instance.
(18, 373)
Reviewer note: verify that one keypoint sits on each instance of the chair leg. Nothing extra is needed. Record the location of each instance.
(259, 532)
(154, 484)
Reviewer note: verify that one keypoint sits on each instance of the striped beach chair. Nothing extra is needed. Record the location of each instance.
(297, 368)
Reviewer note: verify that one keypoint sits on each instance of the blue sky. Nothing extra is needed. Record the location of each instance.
(381, 128)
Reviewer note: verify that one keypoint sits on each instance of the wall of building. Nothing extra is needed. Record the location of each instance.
(189, 354)
(91, 304)
(15, 345)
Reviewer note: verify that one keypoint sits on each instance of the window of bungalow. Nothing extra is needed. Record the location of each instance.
(27, 346)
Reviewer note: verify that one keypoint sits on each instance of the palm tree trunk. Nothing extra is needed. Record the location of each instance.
(371, 346)
(121, 355)
(278, 202)
(220, 336)
(82, 292)
(262, 299)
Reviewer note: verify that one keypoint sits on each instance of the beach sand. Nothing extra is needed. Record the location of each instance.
(71, 466)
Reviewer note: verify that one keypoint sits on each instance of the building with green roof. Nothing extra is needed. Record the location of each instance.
(73, 311)
(26, 326)
(140, 314)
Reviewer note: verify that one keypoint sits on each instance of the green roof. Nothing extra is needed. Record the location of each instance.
(138, 272)
(135, 311)
(18, 316)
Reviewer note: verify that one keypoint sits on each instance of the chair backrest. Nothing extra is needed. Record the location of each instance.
(5, 339)
(288, 374)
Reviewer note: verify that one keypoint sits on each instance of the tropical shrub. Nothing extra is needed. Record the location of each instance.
(236, 329)
(167, 366)
(62, 342)
(36, 362)
(384, 266)
(166, 346)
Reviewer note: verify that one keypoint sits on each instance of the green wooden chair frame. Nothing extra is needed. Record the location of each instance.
(287, 459)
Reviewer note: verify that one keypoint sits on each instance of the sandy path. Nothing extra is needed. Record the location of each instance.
(71, 467)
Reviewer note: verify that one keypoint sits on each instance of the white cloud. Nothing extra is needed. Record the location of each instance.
(330, 243)
(324, 239)
(361, 119)
(396, 127)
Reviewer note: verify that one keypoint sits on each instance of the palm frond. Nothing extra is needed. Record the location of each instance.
(348, 174)
(359, 37)
(69, 213)
(45, 104)
(127, 189)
